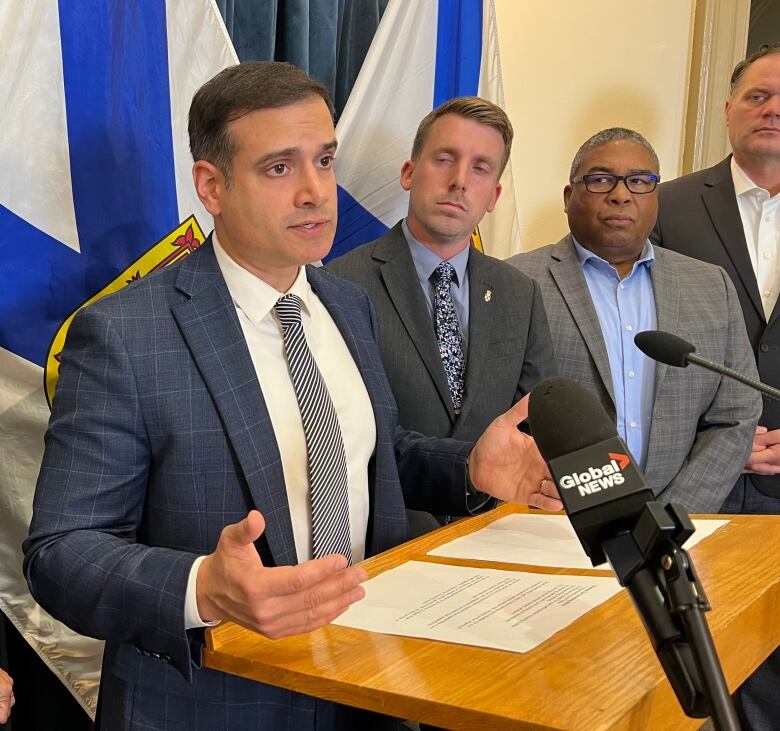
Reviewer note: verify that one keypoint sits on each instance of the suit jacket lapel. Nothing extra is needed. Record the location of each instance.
(721, 202)
(210, 327)
(666, 290)
(481, 317)
(566, 271)
(400, 278)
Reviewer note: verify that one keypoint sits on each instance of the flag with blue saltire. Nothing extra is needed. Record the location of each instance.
(423, 53)
(95, 191)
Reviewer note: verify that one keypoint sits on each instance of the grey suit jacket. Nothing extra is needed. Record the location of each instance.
(702, 427)
(159, 437)
(509, 347)
(698, 216)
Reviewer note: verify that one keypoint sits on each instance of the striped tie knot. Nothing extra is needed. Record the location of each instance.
(288, 310)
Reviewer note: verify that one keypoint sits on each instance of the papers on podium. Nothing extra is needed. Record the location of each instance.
(505, 610)
(539, 540)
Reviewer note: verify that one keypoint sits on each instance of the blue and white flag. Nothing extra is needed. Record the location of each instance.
(95, 190)
(423, 53)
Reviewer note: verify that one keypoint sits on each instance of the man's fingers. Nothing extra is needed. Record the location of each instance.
(244, 533)
(546, 502)
(312, 617)
(290, 580)
(518, 412)
(300, 598)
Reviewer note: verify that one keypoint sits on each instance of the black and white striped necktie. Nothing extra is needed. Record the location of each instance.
(324, 444)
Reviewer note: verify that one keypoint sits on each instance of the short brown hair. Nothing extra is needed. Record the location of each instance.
(469, 107)
(238, 90)
(767, 49)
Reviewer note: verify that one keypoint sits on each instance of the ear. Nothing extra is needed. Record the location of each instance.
(727, 110)
(496, 196)
(407, 171)
(566, 195)
(209, 184)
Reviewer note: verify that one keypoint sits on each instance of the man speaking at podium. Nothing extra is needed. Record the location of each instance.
(224, 442)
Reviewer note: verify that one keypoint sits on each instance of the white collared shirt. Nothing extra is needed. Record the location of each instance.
(760, 214)
(254, 301)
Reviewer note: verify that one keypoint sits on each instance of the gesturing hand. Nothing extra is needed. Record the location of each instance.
(233, 584)
(506, 463)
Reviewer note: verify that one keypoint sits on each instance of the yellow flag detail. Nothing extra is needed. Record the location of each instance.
(177, 245)
(476, 240)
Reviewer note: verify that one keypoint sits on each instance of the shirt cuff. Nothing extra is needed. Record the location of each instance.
(476, 501)
(192, 619)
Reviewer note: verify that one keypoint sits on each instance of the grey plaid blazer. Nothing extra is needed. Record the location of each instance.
(703, 425)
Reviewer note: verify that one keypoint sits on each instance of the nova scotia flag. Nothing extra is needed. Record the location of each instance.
(423, 53)
(95, 189)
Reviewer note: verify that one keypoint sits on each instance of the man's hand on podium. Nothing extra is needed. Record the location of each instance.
(232, 584)
(506, 463)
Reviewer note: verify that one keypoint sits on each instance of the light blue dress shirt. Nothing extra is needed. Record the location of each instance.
(624, 308)
(425, 261)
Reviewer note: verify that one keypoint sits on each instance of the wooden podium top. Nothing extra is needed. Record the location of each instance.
(598, 673)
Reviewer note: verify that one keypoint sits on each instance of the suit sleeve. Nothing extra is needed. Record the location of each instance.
(85, 560)
(725, 431)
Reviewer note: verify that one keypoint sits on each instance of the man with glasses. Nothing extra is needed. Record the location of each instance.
(604, 282)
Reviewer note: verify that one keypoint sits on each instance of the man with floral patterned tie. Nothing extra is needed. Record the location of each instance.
(462, 335)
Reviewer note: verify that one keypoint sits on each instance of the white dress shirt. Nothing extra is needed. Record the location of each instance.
(760, 214)
(254, 301)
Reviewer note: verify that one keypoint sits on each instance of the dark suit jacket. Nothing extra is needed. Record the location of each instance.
(509, 346)
(159, 437)
(702, 426)
(698, 216)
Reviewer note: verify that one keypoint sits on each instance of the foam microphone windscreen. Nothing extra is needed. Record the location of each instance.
(664, 347)
(566, 417)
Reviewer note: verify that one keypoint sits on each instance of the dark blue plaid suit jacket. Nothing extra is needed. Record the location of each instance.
(159, 437)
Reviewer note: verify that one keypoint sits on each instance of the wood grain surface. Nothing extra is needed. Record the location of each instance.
(598, 673)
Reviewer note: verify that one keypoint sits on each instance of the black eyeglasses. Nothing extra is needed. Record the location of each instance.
(605, 183)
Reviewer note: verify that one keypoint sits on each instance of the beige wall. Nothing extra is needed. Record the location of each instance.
(559, 92)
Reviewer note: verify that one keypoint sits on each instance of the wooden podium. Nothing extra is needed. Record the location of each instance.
(598, 673)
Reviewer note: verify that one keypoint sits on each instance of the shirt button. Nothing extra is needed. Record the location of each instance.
(767, 255)
(621, 286)
(631, 374)
(632, 424)
(630, 328)
(767, 293)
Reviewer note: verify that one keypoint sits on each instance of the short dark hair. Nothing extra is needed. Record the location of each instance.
(611, 134)
(767, 49)
(236, 91)
(470, 107)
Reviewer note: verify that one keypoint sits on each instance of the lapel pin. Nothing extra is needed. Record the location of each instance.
(488, 294)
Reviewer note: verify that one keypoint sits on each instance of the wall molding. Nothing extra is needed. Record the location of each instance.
(720, 37)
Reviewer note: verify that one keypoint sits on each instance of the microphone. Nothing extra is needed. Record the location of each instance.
(674, 351)
(599, 484)
(615, 514)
